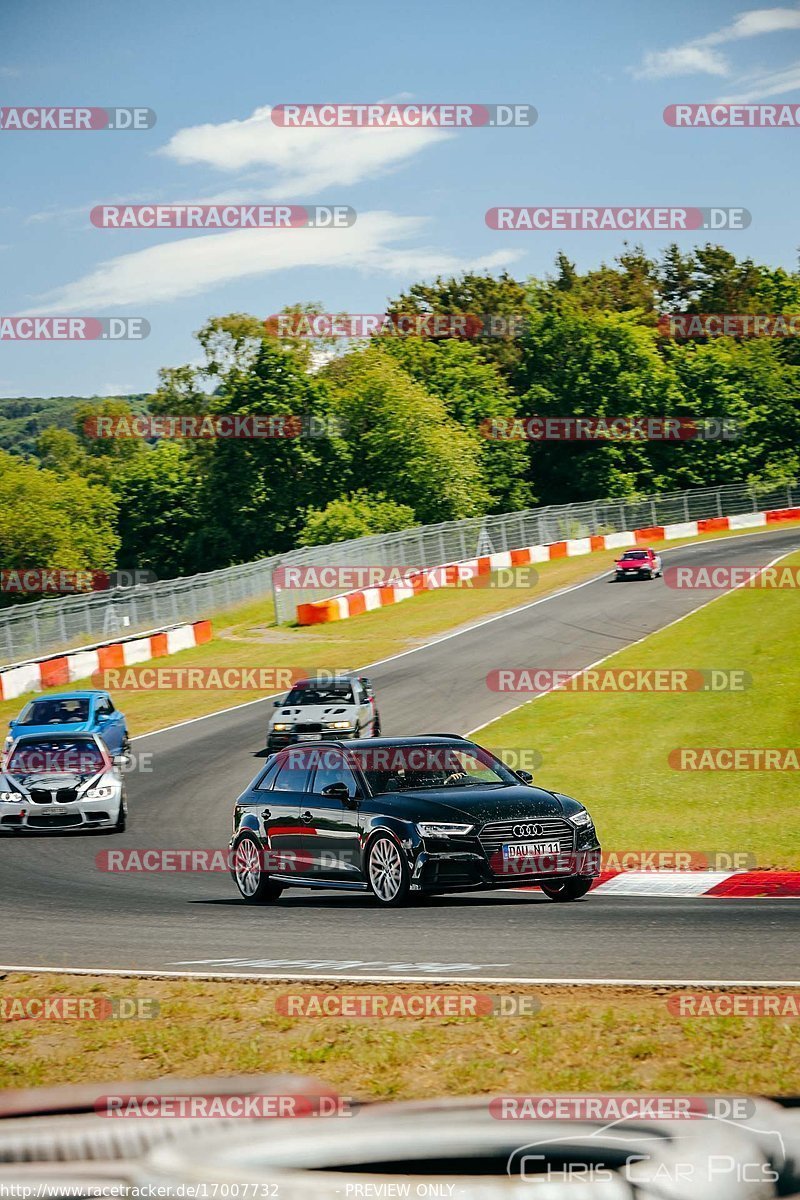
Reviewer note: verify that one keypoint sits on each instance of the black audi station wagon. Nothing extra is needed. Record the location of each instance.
(406, 816)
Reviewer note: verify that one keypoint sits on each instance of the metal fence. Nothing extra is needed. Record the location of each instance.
(47, 626)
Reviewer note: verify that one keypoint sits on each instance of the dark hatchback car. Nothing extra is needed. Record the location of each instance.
(406, 816)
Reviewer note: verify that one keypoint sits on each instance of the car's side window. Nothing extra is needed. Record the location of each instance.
(104, 708)
(292, 776)
(331, 768)
(264, 783)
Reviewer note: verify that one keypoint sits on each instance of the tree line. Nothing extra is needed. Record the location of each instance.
(404, 419)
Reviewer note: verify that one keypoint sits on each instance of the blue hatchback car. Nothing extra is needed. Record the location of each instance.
(74, 712)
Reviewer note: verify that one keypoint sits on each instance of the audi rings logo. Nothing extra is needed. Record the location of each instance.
(527, 830)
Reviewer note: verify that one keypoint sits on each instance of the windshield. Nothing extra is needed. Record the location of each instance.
(322, 693)
(32, 756)
(635, 554)
(56, 711)
(402, 768)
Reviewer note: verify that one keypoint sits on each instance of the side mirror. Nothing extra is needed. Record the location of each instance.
(277, 703)
(525, 776)
(119, 760)
(337, 791)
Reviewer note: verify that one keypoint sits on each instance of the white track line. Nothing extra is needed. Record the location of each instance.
(478, 625)
(428, 979)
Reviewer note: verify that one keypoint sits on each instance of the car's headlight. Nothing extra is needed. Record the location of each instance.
(11, 797)
(580, 819)
(282, 726)
(99, 793)
(338, 725)
(442, 829)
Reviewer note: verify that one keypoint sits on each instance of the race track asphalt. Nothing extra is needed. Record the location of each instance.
(60, 911)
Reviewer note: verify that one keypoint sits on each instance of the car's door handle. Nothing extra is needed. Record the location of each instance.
(308, 816)
(265, 812)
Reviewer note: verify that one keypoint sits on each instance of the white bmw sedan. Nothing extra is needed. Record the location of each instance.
(61, 781)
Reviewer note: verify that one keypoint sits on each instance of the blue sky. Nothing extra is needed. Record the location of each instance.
(599, 75)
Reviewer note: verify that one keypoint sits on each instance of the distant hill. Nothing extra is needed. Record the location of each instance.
(22, 418)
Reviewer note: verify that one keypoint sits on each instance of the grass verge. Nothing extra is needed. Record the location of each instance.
(611, 750)
(581, 1039)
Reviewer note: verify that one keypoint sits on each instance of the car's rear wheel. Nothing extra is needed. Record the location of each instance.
(387, 872)
(255, 886)
(567, 889)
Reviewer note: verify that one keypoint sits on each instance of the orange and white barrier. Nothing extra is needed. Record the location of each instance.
(352, 604)
(81, 664)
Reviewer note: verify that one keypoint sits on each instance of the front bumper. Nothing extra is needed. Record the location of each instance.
(77, 814)
(277, 741)
(440, 870)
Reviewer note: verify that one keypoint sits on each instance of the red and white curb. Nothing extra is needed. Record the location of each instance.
(62, 669)
(352, 604)
(721, 884)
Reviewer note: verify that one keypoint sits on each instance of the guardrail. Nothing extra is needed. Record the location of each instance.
(32, 630)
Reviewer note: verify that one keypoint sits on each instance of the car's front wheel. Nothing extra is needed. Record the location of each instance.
(387, 872)
(255, 886)
(567, 889)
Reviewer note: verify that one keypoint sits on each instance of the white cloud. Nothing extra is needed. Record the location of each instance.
(755, 22)
(682, 60)
(193, 265)
(697, 57)
(306, 161)
(773, 83)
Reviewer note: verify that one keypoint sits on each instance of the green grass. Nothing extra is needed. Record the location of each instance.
(581, 1039)
(610, 750)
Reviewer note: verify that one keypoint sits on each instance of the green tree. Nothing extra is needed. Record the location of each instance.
(472, 392)
(53, 521)
(354, 516)
(256, 491)
(476, 294)
(158, 494)
(402, 442)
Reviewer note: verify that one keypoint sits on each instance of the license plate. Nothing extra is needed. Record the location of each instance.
(310, 737)
(530, 849)
(48, 809)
